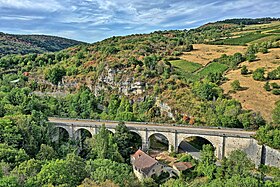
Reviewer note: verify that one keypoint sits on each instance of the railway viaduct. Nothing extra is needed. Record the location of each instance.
(223, 140)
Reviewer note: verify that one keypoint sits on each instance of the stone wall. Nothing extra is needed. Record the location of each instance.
(248, 145)
(271, 157)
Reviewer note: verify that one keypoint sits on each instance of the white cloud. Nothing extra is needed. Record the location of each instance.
(49, 5)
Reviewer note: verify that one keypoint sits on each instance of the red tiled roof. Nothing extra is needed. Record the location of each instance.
(181, 166)
(143, 161)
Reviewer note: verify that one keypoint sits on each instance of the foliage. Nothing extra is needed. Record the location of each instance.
(206, 90)
(124, 139)
(103, 146)
(244, 70)
(266, 86)
(235, 85)
(276, 113)
(101, 170)
(25, 44)
(258, 74)
(275, 74)
(207, 164)
(55, 74)
(269, 135)
(71, 172)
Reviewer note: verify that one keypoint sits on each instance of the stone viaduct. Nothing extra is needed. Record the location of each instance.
(223, 140)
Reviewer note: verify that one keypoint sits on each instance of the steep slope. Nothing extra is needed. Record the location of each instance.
(24, 44)
(161, 76)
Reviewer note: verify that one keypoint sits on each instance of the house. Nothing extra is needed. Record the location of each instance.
(145, 166)
(182, 166)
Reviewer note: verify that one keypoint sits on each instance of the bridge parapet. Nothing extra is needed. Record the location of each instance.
(223, 140)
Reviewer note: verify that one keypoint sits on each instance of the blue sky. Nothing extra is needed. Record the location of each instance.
(93, 20)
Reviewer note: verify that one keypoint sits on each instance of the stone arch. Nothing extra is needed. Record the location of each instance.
(111, 130)
(215, 141)
(61, 131)
(162, 140)
(139, 134)
(137, 142)
(78, 133)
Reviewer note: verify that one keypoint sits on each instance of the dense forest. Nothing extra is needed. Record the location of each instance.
(90, 81)
(25, 44)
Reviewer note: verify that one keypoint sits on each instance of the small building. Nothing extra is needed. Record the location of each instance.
(145, 166)
(182, 166)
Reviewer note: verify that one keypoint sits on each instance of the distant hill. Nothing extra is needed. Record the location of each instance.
(24, 44)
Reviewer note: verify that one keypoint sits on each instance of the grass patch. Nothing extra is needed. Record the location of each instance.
(242, 40)
(214, 67)
(275, 31)
(186, 66)
(274, 37)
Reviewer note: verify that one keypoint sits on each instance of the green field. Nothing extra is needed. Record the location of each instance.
(242, 40)
(273, 37)
(214, 67)
(275, 31)
(186, 66)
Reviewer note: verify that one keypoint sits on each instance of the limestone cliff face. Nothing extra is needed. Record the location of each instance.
(165, 108)
(118, 80)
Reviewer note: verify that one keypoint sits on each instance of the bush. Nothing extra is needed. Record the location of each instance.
(267, 86)
(275, 85)
(258, 74)
(275, 74)
(244, 70)
(235, 85)
(55, 74)
(276, 92)
(251, 57)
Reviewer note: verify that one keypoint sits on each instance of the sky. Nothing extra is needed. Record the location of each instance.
(94, 20)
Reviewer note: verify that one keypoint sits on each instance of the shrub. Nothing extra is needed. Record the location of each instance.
(275, 85)
(235, 85)
(275, 74)
(267, 86)
(276, 92)
(258, 74)
(244, 70)
(251, 57)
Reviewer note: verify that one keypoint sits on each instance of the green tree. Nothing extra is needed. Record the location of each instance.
(244, 70)
(68, 172)
(27, 170)
(9, 133)
(267, 86)
(149, 182)
(123, 138)
(238, 164)
(276, 113)
(101, 170)
(175, 183)
(55, 74)
(235, 85)
(9, 181)
(12, 155)
(207, 165)
(206, 90)
(46, 153)
(103, 146)
(258, 74)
